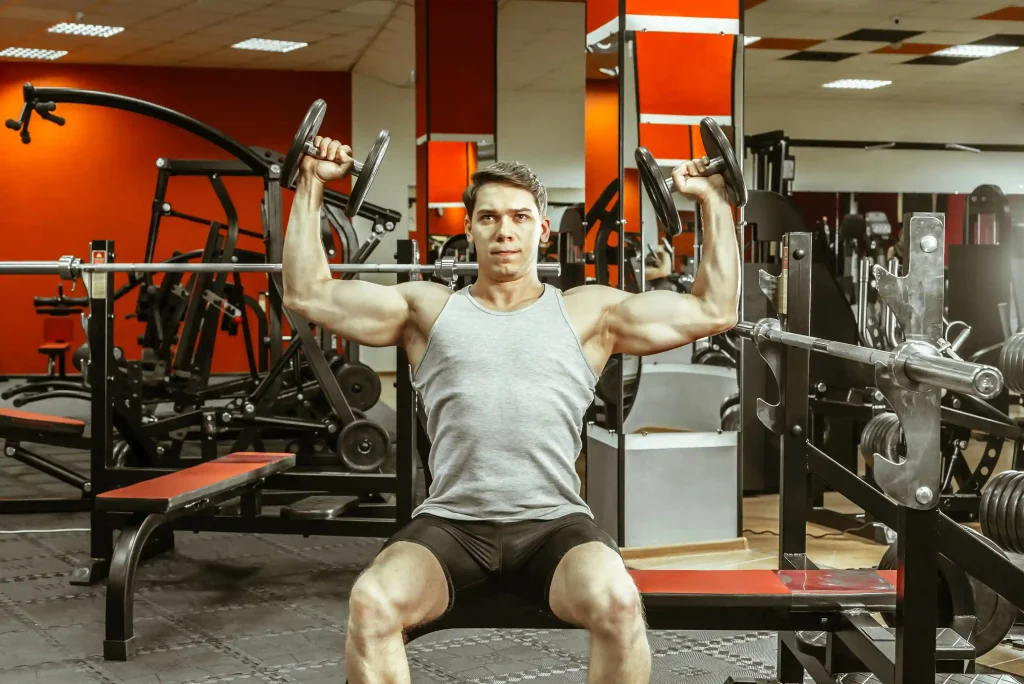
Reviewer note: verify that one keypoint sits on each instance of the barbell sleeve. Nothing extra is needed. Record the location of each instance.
(920, 367)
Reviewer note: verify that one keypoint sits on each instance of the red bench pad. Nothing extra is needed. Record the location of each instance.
(13, 419)
(171, 491)
(764, 582)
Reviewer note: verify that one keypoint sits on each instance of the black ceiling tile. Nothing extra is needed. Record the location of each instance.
(880, 35)
(820, 56)
(941, 61)
(1002, 39)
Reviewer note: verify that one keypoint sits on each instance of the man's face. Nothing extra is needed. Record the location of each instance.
(506, 228)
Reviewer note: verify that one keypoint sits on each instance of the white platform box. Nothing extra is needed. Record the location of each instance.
(680, 396)
(680, 487)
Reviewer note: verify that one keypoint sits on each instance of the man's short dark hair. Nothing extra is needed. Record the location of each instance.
(507, 173)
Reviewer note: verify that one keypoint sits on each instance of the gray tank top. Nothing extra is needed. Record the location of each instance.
(504, 395)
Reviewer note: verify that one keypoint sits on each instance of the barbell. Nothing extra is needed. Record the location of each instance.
(723, 161)
(911, 363)
(302, 145)
(71, 268)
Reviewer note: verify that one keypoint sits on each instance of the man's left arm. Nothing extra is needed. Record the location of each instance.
(659, 320)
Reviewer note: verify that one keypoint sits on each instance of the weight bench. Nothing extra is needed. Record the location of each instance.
(17, 427)
(161, 500)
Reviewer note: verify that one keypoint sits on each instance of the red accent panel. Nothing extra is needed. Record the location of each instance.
(461, 47)
(749, 582)
(784, 44)
(1005, 14)
(34, 420)
(956, 207)
(666, 141)
(190, 479)
(422, 191)
(723, 9)
(451, 164)
(707, 90)
(631, 210)
(600, 12)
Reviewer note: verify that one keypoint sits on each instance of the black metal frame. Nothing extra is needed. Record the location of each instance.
(369, 519)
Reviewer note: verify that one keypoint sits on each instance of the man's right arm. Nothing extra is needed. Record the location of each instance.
(366, 313)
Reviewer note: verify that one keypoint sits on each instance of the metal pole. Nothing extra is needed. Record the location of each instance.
(76, 268)
(918, 366)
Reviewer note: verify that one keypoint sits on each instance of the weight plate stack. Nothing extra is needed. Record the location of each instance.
(1001, 512)
(1011, 361)
(881, 435)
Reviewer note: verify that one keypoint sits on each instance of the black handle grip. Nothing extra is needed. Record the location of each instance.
(59, 120)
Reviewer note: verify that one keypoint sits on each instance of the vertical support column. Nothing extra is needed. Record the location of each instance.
(273, 239)
(796, 274)
(405, 410)
(100, 287)
(456, 108)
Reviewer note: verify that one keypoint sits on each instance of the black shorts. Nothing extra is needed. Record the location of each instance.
(517, 557)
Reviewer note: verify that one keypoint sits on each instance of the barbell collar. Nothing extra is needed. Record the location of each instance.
(916, 361)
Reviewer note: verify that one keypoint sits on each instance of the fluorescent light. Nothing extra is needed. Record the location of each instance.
(975, 51)
(856, 84)
(267, 45)
(94, 30)
(750, 40)
(32, 53)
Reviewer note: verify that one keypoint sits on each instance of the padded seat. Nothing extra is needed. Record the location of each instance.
(14, 419)
(171, 492)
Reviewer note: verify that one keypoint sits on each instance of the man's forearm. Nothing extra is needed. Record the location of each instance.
(304, 261)
(717, 279)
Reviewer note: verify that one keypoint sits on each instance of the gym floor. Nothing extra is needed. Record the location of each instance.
(262, 608)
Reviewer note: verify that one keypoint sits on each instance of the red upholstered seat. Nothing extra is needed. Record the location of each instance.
(13, 419)
(765, 582)
(180, 488)
(47, 347)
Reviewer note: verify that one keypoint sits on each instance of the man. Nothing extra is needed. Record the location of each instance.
(506, 369)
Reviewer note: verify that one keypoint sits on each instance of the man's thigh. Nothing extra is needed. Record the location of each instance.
(460, 552)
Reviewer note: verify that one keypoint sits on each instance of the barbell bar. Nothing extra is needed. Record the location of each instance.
(70, 268)
(916, 362)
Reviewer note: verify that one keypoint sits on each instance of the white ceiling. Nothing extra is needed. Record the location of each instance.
(540, 42)
(942, 23)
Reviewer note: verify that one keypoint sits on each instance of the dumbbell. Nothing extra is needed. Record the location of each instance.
(723, 162)
(302, 145)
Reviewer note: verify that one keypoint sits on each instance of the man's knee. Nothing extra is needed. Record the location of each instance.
(373, 614)
(611, 608)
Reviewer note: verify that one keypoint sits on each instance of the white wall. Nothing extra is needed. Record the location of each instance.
(891, 170)
(544, 131)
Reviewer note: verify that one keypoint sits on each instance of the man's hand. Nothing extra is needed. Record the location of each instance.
(338, 164)
(691, 184)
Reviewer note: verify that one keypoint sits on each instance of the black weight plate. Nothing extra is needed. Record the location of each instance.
(363, 446)
(727, 403)
(308, 129)
(657, 189)
(1013, 506)
(1018, 524)
(995, 614)
(360, 384)
(988, 494)
(717, 145)
(946, 602)
(1000, 510)
(367, 174)
(731, 419)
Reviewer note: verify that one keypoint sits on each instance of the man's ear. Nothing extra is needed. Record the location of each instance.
(469, 231)
(545, 229)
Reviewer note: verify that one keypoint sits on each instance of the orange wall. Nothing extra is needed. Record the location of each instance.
(94, 178)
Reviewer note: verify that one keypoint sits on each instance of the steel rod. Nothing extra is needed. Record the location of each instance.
(920, 367)
(79, 267)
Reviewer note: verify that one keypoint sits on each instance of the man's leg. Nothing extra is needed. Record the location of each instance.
(592, 588)
(416, 579)
(404, 587)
